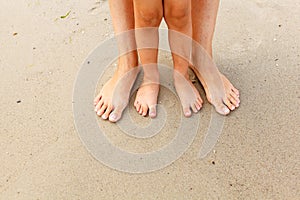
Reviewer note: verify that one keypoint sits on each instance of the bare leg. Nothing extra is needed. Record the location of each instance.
(148, 15)
(219, 90)
(177, 14)
(114, 96)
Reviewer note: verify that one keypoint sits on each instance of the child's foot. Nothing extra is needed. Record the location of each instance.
(114, 96)
(146, 97)
(188, 94)
(224, 96)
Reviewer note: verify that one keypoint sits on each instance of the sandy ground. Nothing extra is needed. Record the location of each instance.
(257, 155)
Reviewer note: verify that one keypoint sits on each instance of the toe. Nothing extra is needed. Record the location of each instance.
(233, 101)
(116, 114)
(144, 110)
(221, 108)
(141, 109)
(187, 111)
(194, 108)
(101, 109)
(107, 112)
(99, 105)
(236, 91)
(152, 111)
(136, 103)
(235, 96)
(97, 99)
(199, 99)
(138, 107)
(198, 105)
(228, 104)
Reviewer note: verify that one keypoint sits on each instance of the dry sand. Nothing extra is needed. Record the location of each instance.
(257, 155)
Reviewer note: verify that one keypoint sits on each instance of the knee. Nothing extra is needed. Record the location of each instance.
(150, 18)
(178, 14)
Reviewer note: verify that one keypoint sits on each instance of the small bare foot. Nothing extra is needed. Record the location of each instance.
(146, 97)
(188, 94)
(227, 94)
(114, 96)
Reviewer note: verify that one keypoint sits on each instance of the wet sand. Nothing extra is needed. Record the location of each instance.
(256, 157)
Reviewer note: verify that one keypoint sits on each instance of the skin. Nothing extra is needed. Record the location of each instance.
(148, 14)
(221, 93)
(114, 96)
(177, 14)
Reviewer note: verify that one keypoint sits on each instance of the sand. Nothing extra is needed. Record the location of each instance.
(256, 157)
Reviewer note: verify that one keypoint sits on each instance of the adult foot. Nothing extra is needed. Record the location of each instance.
(219, 91)
(146, 97)
(114, 96)
(222, 94)
(188, 94)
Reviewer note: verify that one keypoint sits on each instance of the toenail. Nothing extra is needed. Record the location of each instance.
(226, 110)
(113, 116)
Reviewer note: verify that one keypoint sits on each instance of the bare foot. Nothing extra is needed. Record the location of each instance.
(114, 96)
(146, 97)
(224, 93)
(219, 91)
(188, 94)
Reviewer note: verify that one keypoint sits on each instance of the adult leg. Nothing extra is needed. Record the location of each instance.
(177, 14)
(219, 90)
(114, 96)
(148, 16)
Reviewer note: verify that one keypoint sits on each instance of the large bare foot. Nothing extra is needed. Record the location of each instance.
(188, 94)
(146, 97)
(219, 91)
(114, 96)
(222, 94)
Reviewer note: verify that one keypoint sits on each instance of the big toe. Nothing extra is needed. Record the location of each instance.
(116, 115)
(152, 111)
(187, 111)
(221, 108)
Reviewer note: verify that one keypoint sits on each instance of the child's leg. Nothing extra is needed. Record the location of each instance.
(148, 15)
(177, 14)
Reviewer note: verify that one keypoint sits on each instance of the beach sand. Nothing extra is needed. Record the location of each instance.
(42, 157)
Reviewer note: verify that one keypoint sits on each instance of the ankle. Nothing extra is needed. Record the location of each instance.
(151, 77)
(204, 48)
(128, 61)
(181, 72)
